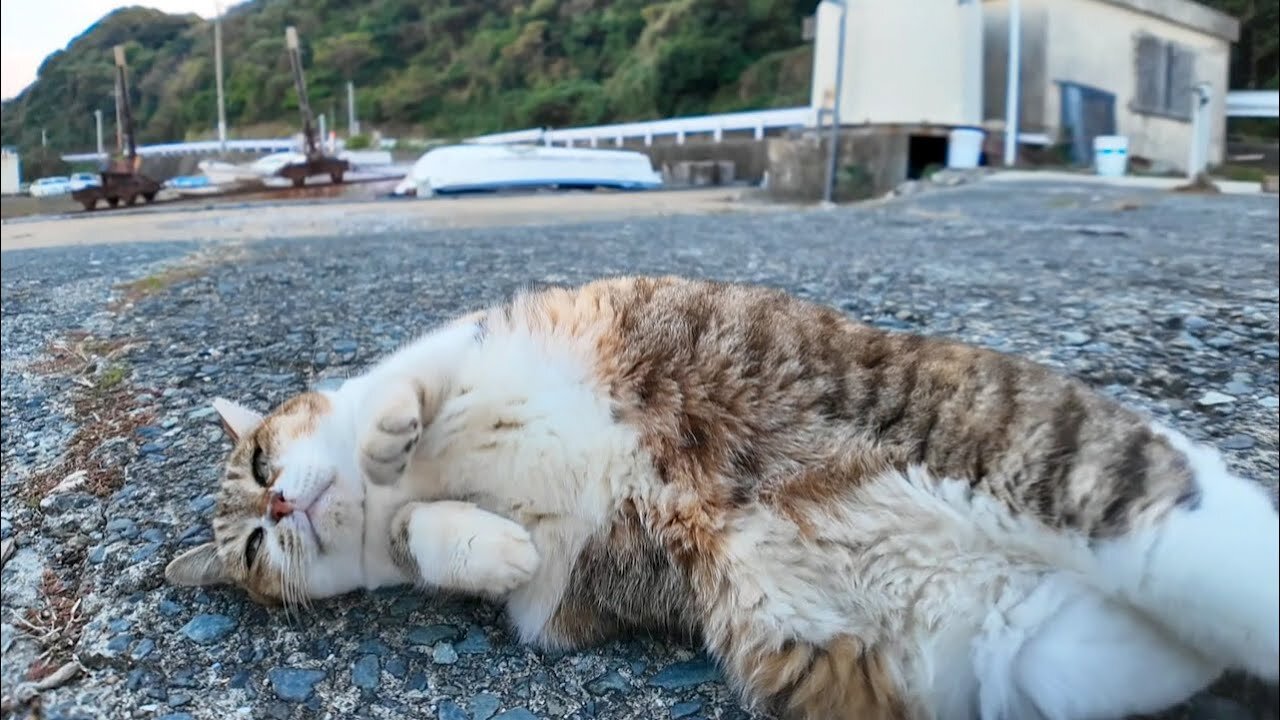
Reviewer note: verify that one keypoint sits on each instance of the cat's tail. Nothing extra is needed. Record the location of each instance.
(1209, 572)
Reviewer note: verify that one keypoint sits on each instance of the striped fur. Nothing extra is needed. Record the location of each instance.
(856, 523)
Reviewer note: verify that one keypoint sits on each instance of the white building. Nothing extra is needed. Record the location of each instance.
(10, 171)
(1100, 67)
(1088, 68)
(905, 62)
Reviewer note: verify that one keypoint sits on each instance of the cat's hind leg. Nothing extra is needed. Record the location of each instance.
(780, 619)
(1209, 571)
(1070, 653)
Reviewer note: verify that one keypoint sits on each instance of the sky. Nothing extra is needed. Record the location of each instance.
(31, 29)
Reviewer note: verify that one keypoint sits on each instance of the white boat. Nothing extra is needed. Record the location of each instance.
(365, 164)
(225, 173)
(478, 167)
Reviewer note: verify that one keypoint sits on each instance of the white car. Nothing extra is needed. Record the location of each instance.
(80, 181)
(50, 186)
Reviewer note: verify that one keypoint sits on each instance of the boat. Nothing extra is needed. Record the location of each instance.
(476, 167)
(263, 172)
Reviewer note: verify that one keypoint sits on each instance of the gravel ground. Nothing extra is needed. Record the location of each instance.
(111, 353)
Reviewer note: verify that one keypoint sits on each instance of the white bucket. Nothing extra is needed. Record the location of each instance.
(1111, 155)
(964, 147)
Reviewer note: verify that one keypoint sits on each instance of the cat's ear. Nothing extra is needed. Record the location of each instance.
(237, 419)
(196, 567)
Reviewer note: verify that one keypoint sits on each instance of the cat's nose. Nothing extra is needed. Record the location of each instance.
(279, 508)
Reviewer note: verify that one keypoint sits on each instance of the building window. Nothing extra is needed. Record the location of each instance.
(1165, 73)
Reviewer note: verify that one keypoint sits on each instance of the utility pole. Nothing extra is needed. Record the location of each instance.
(97, 121)
(1013, 80)
(217, 64)
(119, 125)
(353, 125)
(833, 149)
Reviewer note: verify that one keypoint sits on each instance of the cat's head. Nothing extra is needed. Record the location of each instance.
(289, 520)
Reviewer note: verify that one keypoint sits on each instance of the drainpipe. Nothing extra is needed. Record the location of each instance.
(1198, 160)
(1013, 78)
(833, 149)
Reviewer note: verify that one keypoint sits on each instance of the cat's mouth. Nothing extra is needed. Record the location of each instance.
(315, 509)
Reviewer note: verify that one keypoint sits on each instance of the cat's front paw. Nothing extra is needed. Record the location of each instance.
(391, 435)
(502, 560)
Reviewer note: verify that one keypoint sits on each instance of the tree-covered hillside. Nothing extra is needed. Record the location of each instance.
(456, 67)
(440, 67)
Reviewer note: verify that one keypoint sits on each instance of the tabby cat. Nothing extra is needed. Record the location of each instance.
(856, 523)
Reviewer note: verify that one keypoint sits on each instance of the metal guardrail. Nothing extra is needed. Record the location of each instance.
(1253, 103)
(758, 122)
(1240, 103)
(202, 147)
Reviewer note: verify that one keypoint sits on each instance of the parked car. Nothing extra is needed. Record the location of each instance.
(80, 181)
(50, 186)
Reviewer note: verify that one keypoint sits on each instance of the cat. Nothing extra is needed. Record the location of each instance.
(855, 523)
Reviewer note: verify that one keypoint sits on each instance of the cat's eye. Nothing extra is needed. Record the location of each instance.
(258, 466)
(251, 547)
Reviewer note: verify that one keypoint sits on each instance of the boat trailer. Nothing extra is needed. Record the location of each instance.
(317, 163)
(122, 180)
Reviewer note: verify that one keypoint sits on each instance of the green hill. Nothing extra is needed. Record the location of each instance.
(455, 67)
(437, 67)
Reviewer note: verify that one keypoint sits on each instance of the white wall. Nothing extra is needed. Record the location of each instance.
(916, 61)
(10, 174)
(1092, 43)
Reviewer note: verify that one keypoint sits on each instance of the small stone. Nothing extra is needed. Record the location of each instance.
(1238, 442)
(176, 716)
(345, 346)
(685, 709)
(179, 699)
(450, 710)
(144, 553)
(123, 527)
(1237, 388)
(686, 675)
(1221, 341)
(207, 629)
(484, 705)
(607, 683)
(201, 412)
(1073, 337)
(203, 503)
(444, 654)
(432, 634)
(143, 649)
(365, 672)
(374, 647)
(1187, 341)
(475, 642)
(397, 666)
(516, 714)
(1213, 397)
(1271, 402)
(119, 643)
(294, 684)
(169, 608)
(416, 681)
(1194, 323)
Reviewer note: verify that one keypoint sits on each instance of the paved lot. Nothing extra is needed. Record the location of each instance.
(112, 351)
